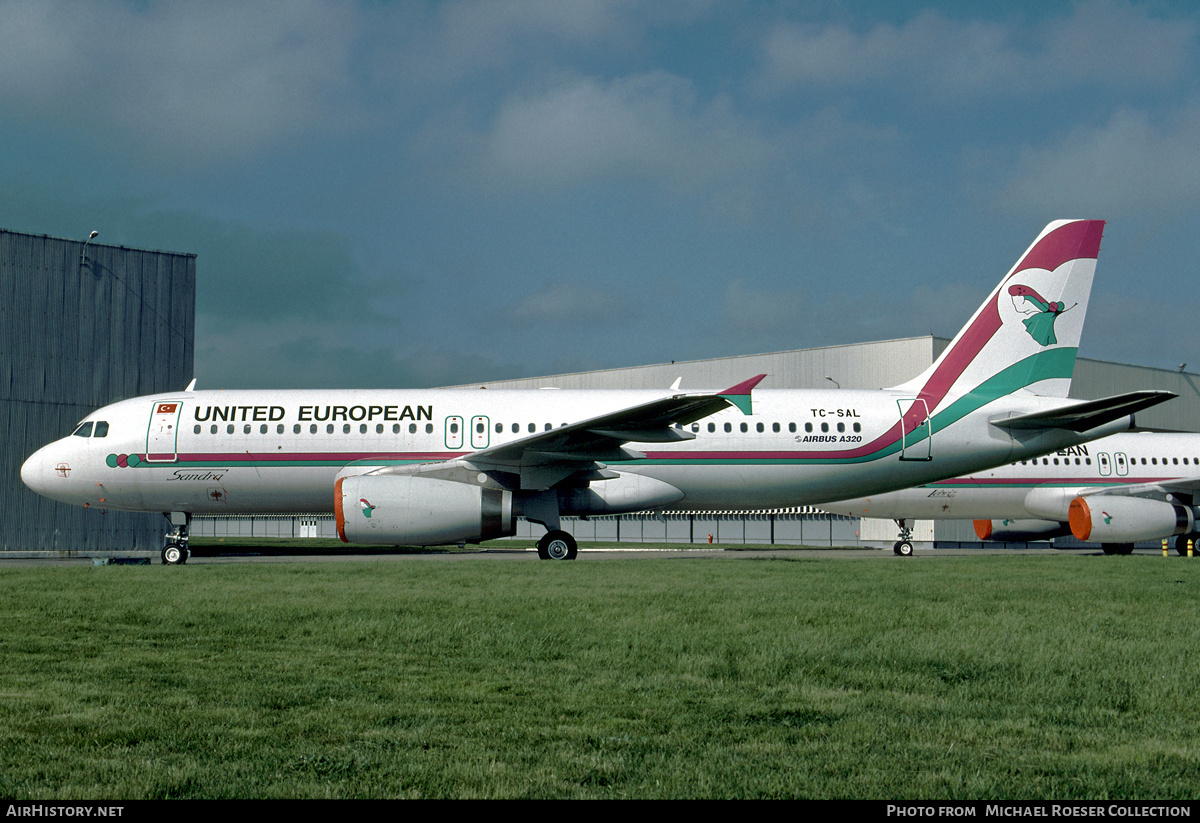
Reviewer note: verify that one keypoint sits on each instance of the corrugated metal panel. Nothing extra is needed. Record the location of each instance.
(1098, 378)
(862, 365)
(76, 333)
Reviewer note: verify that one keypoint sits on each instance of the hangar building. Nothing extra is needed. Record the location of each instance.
(82, 325)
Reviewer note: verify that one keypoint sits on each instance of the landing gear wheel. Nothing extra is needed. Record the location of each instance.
(903, 547)
(174, 554)
(557, 545)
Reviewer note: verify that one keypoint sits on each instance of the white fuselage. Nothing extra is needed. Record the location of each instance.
(1038, 488)
(280, 451)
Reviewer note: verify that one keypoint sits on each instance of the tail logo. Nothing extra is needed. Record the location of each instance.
(1039, 312)
(367, 508)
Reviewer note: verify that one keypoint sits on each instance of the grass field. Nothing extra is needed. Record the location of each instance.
(970, 678)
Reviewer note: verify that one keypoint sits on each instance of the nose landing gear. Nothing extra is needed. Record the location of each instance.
(175, 550)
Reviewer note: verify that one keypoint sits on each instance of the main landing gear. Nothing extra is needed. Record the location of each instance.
(903, 547)
(557, 545)
(175, 551)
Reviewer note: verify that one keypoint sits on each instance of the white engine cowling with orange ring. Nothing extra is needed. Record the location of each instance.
(1112, 519)
(410, 510)
(1019, 530)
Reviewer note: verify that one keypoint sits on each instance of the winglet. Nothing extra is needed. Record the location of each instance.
(739, 395)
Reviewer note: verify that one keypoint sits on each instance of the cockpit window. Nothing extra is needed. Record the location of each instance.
(101, 429)
(84, 430)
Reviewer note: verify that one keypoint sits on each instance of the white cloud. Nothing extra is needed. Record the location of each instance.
(178, 82)
(649, 126)
(1105, 41)
(466, 38)
(1132, 165)
(564, 303)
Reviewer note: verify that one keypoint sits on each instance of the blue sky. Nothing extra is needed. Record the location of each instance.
(430, 193)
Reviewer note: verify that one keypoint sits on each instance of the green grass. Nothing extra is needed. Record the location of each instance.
(1012, 677)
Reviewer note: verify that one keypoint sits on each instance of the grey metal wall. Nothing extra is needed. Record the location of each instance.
(857, 366)
(82, 326)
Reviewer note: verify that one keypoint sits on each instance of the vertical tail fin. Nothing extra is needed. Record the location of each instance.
(1026, 333)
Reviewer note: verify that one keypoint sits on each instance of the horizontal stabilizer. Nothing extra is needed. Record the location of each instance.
(1087, 414)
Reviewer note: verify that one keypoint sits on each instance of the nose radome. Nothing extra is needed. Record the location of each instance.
(33, 471)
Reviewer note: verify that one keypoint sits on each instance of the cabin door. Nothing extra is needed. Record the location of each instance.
(916, 435)
(163, 434)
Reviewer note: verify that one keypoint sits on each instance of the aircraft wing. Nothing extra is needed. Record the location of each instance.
(1086, 414)
(562, 451)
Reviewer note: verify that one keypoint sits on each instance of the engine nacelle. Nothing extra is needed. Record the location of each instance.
(1112, 519)
(1019, 530)
(619, 495)
(398, 509)
(1050, 502)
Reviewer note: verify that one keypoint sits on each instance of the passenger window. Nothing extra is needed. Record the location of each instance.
(728, 427)
(85, 430)
(262, 429)
(213, 430)
(857, 427)
(412, 428)
(841, 427)
(312, 429)
(775, 427)
(197, 429)
(712, 427)
(808, 427)
(744, 427)
(824, 427)
(759, 427)
(296, 429)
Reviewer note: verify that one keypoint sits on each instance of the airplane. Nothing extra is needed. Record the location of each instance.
(442, 466)
(1114, 491)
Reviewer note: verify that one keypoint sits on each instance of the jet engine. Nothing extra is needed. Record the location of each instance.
(1105, 518)
(1019, 530)
(398, 509)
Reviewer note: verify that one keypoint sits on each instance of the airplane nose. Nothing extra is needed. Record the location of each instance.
(33, 472)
